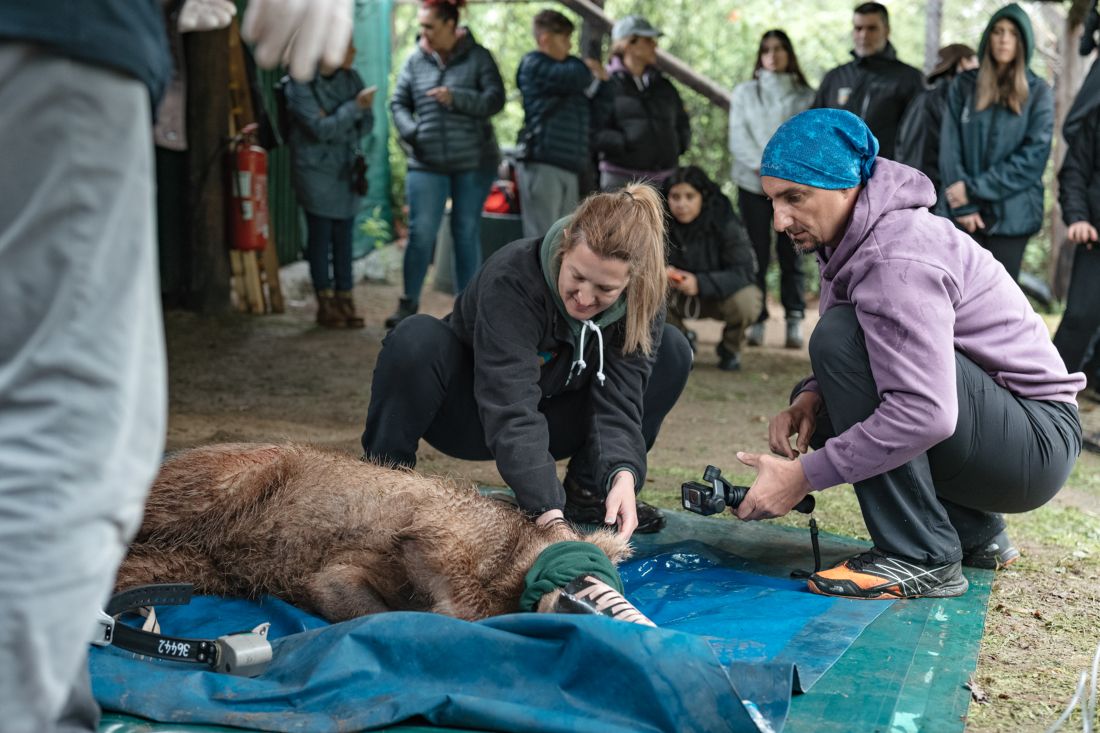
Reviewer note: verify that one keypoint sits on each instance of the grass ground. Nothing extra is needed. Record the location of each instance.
(279, 378)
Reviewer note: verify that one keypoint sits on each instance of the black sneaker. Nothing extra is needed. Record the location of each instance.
(728, 361)
(999, 552)
(405, 308)
(876, 575)
(584, 506)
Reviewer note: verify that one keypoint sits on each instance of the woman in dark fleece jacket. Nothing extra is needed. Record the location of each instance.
(712, 267)
(935, 388)
(557, 348)
(995, 141)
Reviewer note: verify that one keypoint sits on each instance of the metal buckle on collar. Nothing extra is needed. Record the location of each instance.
(243, 654)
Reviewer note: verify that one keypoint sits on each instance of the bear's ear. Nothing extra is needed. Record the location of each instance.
(612, 543)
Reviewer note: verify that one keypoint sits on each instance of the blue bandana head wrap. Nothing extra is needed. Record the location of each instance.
(823, 148)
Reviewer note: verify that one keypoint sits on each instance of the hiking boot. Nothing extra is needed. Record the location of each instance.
(728, 361)
(794, 334)
(345, 304)
(584, 506)
(405, 308)
(328, 312)
(876, 575)
(755, 335)
(993, 555)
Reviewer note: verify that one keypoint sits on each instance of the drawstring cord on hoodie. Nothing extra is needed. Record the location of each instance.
(580, 365)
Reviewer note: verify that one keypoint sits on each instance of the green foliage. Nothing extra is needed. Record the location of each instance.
(718, 39)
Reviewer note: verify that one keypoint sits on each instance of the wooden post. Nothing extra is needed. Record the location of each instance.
(718, 95)
(933, 17)
(207, 120)
(592, 36)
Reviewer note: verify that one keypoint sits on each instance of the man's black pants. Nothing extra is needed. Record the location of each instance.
(1081, 320)
(423, 387)
(1008, 454)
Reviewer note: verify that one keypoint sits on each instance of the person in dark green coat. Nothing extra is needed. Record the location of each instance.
(995, 141)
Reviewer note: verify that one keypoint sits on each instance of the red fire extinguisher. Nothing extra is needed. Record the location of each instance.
(249, 192)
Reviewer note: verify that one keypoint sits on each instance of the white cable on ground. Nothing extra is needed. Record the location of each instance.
(1088, 705)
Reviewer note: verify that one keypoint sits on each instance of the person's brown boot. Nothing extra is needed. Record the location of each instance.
(328, 312)
(345, 304)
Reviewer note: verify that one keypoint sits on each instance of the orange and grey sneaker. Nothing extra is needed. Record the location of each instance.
(999, 552)
(876, 575)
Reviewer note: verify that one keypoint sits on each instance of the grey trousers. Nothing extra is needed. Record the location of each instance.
(82, 372)
(546, 194)
(1008, 454)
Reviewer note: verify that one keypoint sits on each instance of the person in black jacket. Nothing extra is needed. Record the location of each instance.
(559, 93)
(712, 268)
(557, 348)
(918, 144)
(1079, 196)
(875, 85)
(445, 94)
(646, 129)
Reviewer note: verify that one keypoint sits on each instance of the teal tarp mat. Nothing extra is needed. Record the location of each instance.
(521, 672)
(905, 672)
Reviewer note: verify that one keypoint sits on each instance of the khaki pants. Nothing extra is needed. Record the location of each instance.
(738, 312)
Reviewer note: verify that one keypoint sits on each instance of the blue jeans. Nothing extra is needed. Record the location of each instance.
(329, 238)
(427, 196)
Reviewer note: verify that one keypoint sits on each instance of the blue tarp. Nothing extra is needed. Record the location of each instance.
(724, 660)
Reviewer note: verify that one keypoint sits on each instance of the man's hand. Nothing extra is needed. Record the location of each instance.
(799, 419)
(365, 97)
(779, 485)
(597, 69)
(956, 194)
(1081, 232)
(442, 95)
(306, 32)
(622, 507)
(971, 222)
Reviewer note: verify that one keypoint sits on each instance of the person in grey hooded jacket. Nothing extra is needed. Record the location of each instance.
(995, 142)
(446, 92)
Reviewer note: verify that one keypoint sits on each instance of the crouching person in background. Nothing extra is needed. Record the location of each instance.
(712, 268)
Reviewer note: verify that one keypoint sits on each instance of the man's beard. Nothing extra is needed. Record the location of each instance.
(799, 250)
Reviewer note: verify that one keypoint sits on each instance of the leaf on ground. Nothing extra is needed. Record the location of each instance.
(977, 694)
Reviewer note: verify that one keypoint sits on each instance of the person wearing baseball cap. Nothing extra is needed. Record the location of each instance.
(935, 388)
(646, 129)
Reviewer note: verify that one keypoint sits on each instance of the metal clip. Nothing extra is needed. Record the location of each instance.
(244, 655)
(104, 629)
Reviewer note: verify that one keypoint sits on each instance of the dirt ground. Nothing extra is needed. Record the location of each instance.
(280, 378)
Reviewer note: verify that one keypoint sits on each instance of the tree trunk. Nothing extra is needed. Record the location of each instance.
(207, 57)
(933, 17)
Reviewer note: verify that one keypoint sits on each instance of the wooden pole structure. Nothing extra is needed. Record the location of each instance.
(666, 62)
(207, 129)
(933, 18)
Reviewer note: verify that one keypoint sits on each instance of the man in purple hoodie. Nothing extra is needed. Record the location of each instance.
(935, 389)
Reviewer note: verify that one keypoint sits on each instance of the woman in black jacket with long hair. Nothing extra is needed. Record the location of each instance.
(712, 268)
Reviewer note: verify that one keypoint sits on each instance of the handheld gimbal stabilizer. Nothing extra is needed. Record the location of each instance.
(717, 494)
